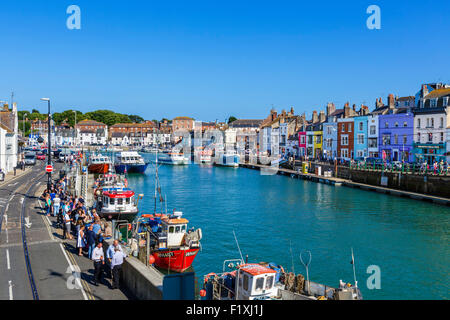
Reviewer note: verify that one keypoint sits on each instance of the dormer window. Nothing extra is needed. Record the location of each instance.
(433, 103)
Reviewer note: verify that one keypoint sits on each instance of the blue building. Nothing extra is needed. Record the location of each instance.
(360, 144)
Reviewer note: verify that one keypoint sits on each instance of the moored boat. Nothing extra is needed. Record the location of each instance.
(99, 163)
(130, 162)
(117, 203)
(228, 159)
(172, 158)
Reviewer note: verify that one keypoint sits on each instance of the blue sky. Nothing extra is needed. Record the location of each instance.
(212, 59)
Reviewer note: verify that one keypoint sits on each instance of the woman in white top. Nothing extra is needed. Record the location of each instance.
(81, 243)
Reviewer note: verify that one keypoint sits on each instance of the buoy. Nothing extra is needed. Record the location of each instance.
(202, 293)
(151, 259)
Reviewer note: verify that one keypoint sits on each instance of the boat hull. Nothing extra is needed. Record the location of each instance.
(175, 260)
(130, 168)
(172, 161)
(100, 168)
(129, 216)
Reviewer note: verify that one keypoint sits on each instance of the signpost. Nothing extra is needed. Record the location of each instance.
(49, 168)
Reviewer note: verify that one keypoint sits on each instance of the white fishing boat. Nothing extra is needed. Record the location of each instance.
(228, 159)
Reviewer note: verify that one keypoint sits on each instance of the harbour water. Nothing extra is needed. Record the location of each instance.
(273, 216)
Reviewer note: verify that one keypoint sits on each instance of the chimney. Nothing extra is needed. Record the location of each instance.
(354, 107)
(322, 117)
(314, 117)
(330, 108)
(391, 101)
(292, 111)
(424, 90)
(346, 110)
(379, 103)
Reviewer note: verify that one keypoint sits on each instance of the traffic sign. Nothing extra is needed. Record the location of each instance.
(49, 168)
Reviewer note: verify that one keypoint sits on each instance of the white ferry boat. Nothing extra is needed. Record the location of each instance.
(172, 158)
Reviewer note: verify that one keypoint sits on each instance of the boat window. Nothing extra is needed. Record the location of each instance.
(259, 285)
(177, 229)
(111, 200)
(245, 282)
(120, 201)
(127, 200)
(269, 282)
(183, 228)
(171, 229)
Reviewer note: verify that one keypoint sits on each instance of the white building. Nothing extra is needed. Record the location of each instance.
(8, 138)
(372, 135)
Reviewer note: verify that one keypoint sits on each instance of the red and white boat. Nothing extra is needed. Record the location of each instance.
(174, 248)
(99, 163)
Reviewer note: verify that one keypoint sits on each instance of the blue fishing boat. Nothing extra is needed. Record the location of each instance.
(130, 162)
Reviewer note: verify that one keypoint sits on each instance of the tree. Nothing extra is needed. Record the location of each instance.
(34, 111)
(231, 119)
(136, 119)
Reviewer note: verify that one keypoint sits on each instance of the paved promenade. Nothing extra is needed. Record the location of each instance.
(35, 263)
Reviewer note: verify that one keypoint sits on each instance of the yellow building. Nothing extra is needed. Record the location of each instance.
(318, 139)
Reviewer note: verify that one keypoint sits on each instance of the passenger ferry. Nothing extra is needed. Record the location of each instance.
(172, 158)
(99, 163)
(269, 281)
(130, 162)
(117, 203)
(228, 159)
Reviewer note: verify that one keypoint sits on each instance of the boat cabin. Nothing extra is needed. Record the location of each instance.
(256, 282)
(175, 229)
(97, 159)
(118, 200)
(129, 157)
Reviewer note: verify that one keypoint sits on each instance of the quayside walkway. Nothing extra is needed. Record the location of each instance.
(344, 182)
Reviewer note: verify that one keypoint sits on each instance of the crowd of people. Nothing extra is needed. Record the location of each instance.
(85, 226)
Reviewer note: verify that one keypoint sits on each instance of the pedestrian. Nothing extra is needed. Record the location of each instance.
(99, 260)
(90, 239)
(48, 204)
(67, 225)
(81, 243)
(116, 265)
(56, 205)
(110, 253)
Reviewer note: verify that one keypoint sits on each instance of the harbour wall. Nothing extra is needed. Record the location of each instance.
(144, 282)
(438, 186)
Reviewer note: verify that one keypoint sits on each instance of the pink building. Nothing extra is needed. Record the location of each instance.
(302, 143)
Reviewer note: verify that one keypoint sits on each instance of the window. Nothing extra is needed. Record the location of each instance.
(396, 124)
(433, 103)
(442, 137)
(329, 128)
(259, 284)
(430, 137)
(120, 201)
(360, 139)
(349, 127)
(373, 143)
(269, 282)
(343, 127)
(245, 286)
(319, 139)
(386, 139)
(432, 122)
(177, 229)
(405, 139)
(395, 138)
(372, 129)
(405, 124)
(302, 139)
(442, 123)
(361, 125)
(171, 229)
(386, 125)
(344, 153)
(418, 123)
(418, 137)
(344, 140)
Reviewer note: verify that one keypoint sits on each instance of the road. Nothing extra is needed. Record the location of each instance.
(35, 263)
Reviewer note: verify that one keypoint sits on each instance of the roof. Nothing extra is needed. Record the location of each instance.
(438, 93)
(118, 134)
(178, 221)
(242, 123)
(406, 98)
(256, 269)
(134, 125)
(88, 122)
(118, 194)
(182, 118)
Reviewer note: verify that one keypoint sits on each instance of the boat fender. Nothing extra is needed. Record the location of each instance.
(199, 234)
(208, 276)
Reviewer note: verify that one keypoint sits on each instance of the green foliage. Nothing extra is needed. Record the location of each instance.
(231, 119)
(135, 118)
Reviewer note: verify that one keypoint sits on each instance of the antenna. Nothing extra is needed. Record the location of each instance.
(292, 257)
(242, 258)
(354, 272)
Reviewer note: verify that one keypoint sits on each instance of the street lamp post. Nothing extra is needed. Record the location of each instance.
(49, 145)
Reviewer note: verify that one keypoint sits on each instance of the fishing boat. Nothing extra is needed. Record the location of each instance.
(269, 281)
(173, 247)
(99, 163)
(172, 158)
(130, 162)
(117, 203)
(228, 159)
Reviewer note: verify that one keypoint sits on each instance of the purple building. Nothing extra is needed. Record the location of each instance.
(396, 136)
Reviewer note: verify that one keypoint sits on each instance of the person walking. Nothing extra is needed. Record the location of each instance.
(110, 253)
(116, 265)
(99, 260)
(48, 204)
(81, 242)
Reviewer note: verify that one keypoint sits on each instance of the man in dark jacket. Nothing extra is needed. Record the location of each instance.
(90, 237)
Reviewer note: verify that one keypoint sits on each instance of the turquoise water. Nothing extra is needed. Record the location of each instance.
(274, 215)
